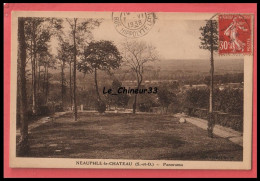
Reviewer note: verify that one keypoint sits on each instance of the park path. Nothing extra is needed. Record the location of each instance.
(224, 132)
(41, 121)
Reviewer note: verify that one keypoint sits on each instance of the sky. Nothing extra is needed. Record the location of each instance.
(175, 35)
(174, 39)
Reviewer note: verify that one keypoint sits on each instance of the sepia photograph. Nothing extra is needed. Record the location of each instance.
(138, 90)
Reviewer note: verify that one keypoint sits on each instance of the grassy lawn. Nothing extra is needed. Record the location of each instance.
(128, 136)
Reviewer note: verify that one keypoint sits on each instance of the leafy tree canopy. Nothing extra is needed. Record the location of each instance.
(102, 55)
(206, 35)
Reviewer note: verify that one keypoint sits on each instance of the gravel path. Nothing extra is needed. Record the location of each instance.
(224, 132)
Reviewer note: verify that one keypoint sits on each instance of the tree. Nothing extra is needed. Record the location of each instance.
(121, 100)
(49, 62)
(116, 84)
(65, 54)
(38, 32)
(79, 28)
(195, 98)
(21, 88)
(135, 55)
(209, 41)
(166, 97)
(32, 30)
(100, 55)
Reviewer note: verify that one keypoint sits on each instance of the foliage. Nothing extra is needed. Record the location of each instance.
(224, 119)
(101, 106)
(206, 35)
(102, 55)
(65, 51)
(82, 29)
(147, 101)
(135, 55)
(38, 33)
(227, 100)
(120, 100)
(196, 98)
(166, 96)
(144, 107)
(80, 33)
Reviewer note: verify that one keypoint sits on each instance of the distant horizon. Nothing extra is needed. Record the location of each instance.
(171, 35)
(217, 58)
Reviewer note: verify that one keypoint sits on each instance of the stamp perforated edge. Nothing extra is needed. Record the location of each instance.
(251, 35)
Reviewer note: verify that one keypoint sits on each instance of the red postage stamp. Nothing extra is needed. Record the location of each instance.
(235, 34)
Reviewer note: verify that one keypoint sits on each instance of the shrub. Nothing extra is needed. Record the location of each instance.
(43, 110)
(144, 107)
(224, 119)
(167, 97)
(174, 108)
(196, 98)
(101, 106)
(58, 108)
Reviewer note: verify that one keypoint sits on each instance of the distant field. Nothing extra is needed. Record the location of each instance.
(203, 65)
(128, 136)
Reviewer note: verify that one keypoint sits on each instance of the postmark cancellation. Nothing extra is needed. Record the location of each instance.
(133, 24)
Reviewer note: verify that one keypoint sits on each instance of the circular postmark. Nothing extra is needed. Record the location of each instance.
(133, 24)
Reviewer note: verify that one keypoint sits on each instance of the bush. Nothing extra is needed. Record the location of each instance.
(196, 98)
(43, 110)
(224, 119)
(174, 108)
(201, 113)
(230, 101)
(167, 97)
(101, 106)
(58, 108)
(144, 107)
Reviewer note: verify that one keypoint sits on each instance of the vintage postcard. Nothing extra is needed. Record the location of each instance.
(131, 90)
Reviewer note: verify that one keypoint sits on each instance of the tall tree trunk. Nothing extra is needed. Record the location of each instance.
(39, 77)
(62, 82)
(96, 84)
(135, 98)
(23, 143)
(139, 82)
(74, 71)
(33, 98)
(44, 80)
(31, 57)
(36, 78)
(47, 85)
(134, 104)
(71, 99)
(211, 121)
(34, 73)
